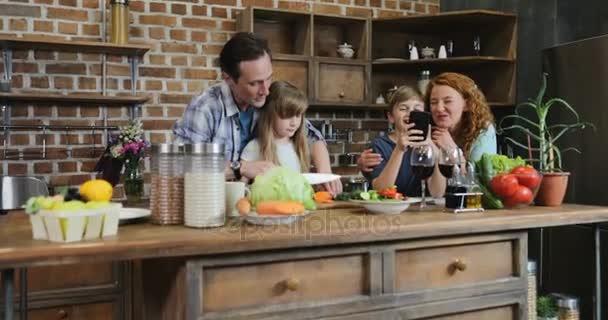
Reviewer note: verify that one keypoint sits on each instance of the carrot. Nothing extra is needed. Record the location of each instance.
(243, 206)
(279, 207)
(323, 197)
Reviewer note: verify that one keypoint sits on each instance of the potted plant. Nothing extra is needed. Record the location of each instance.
(546, 308)
(541, 144)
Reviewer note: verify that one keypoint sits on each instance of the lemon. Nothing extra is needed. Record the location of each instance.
(96, 190)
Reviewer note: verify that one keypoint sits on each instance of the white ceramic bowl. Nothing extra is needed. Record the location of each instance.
(386, 206)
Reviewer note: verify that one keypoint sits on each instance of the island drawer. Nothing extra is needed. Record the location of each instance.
(495, 260)
(91, 311)
(270, 283)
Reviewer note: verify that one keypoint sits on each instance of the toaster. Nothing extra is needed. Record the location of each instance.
(15, 190)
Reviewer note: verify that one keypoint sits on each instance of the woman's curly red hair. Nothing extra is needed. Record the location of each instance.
(477, 118)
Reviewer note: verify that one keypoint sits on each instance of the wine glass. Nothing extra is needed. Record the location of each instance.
(449, 158)
(423, 164)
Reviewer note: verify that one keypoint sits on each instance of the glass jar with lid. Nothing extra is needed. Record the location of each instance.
(568, 308)
(120, 21)
(204, 185)
(167, 184)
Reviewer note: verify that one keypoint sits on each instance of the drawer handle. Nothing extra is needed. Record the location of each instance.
(341, 94)
(459, 265)
(62, 314)
(292, 284)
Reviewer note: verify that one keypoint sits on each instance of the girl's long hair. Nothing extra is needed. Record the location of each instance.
(283, 101)
(477, 118)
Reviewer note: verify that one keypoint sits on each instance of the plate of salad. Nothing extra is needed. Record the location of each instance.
(387, 201)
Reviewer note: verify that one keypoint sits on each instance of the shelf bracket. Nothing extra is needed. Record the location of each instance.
(8, 63)
(6, 120)
(134, 111)
(134, 62)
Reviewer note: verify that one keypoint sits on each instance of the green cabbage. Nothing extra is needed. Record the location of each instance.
(280, 183)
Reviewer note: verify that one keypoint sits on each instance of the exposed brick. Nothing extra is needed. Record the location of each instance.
(154, 85)
(220, 37)
(19, 139)
(178, 35)
(342, 124)
(258, 3)
(231, 3)
(67, 56)
(161, 20)
(68, 28)
(89, 112)
(151, 111)
(93, 4)
(376, 125)
(174, 86)
(199, 61)
(228, 25)
(39, 82)
(420, 7)
(212, 49)
(136, 32)
(199, 74)
(64, 83)
(359, 12)
(24, 67)
(70, 166)
(137, 6)
(361, 2)
(175, 112)
(69, 180)
(390, 4)
(175, 98)
(198, 36)
(406, 5)
(348, 2)
(326, 9)
(199, 10)
(158, 138)
(178, 47)
(178, 8)
(179, 61)
(196, 86)
(67, 112)
(198, 23)
(157, 59)
(157, 33)
(217, 12)
(88, 166)
(43, 167)
(18, 25)
(118, 70)
(91, 29)
(297, 6)
(87, 83)
(433, 9)
(157, 124)
(69, 3)
(157, 7)
(90, 57)
(69, 68)
(389, 13)
(157, 72)
(375, 3)
(17, 169)
(43, 26)
(43, 1)
(67, 14)
(17, 10)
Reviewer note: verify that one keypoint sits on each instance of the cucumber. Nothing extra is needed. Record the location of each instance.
(364, 195)
(488, 200)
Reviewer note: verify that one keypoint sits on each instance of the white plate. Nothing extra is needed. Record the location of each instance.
(132, 213)
(317, 178)
(269, 220)
(387, 206)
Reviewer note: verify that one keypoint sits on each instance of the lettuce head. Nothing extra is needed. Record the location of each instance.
(280, 183)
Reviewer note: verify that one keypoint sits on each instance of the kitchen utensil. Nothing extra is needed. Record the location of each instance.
(318, 178)
(14, 191)
(387, 206)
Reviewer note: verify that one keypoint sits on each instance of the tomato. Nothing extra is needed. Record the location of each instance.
(527, 176)
(504, 185)
(522, 195)
(390, 193)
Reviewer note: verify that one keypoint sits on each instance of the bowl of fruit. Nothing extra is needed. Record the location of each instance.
(516, 188)
(76, 214)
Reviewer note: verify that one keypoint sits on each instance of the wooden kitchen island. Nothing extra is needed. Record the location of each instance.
(338, 264)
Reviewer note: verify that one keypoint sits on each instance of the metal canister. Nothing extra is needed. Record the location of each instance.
(204, 185)
(532, 293)
(568, 308)
(120, 21)
(167, 184)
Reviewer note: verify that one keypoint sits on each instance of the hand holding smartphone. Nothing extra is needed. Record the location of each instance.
(422, 120)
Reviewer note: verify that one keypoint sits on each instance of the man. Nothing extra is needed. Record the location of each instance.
(227, 112)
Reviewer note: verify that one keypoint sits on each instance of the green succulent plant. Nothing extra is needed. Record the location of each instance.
(541, 135)
(546, 307)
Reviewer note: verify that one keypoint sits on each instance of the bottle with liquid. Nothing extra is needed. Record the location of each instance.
(423, 81)
(120, 21)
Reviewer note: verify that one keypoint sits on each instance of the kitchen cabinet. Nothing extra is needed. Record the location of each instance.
(471, 277)
(305, 47)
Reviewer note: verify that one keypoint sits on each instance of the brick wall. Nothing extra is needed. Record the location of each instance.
(186, 36)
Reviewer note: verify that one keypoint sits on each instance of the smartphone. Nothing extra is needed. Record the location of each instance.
(422, 120)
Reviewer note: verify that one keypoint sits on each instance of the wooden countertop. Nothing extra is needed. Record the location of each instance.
(333, 226)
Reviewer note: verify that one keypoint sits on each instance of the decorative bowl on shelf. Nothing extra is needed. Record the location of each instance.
(346, 51)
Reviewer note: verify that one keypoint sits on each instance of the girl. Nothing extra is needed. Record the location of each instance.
(281, 135)
(461, 115)
(394, 168)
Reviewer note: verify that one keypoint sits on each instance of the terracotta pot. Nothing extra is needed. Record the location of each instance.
(552, 189)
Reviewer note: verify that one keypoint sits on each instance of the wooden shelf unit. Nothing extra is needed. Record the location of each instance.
(39, 43)
(80, 98)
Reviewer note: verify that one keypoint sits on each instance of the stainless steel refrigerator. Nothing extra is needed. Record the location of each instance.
(578, 73)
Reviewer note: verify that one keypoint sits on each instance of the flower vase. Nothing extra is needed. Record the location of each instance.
(134, 181)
